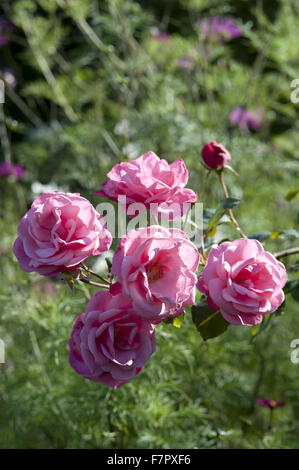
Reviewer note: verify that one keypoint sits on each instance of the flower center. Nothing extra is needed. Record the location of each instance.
(118, 334)
(154, 273)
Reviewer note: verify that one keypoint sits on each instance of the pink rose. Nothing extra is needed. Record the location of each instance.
(215, 156)
(243, 281)
(150, 180)
(157, 270)
(110, 343)
(59, 232)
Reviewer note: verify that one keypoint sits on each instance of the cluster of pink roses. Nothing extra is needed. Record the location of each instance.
(156, 268)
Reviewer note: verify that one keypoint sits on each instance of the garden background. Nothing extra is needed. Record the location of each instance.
(95, 82)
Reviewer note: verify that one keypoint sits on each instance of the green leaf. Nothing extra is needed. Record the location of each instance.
(264, 326)
(295, 267)
(225, 205)
(230, 202)
(209, 322)
(178, 321)
(275, 234)
(291, 194)
(290, 233)
(214, 218)
(292, 287)
(212, 225)
(78, 10)
(260, 236)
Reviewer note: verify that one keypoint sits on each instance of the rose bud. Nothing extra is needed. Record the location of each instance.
(215, 156)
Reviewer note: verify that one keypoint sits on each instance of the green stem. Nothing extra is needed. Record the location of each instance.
(203, 253)
(288, 252)
(3, 135)
(89, 271)
(230, 212)
(186, 218)
(87, 281)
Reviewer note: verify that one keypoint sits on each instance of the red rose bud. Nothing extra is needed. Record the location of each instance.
(215, 156)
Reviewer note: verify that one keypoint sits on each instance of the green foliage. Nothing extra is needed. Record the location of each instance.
(209, 323)
(223, 208)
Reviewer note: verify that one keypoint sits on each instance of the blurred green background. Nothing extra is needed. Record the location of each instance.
(96, 84)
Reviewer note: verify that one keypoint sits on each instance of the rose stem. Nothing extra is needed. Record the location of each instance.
(288, 252)
(203, 253)
(186, 218)
(86, 281)
(94, 274)
(230, 212)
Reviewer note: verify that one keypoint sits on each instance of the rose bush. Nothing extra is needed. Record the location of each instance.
(151, 180)
(59, 232)
(153, 275)
(243, 281)
(110, 343)
(157, 268)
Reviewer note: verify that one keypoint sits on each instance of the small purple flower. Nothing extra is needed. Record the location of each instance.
(18, 171)
(5, 169)
(187, 62)
(3, 41)
(8, 76)
(247, 119)
(8, 169)
(4, 27)
(204, 50)
(158, 35)
(272, 404)
(217, 29)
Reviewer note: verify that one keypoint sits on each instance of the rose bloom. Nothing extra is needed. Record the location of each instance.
(243, 281)
(151, 180)
(59, 232)
(110, 343)
(157, 268)
(215, 156)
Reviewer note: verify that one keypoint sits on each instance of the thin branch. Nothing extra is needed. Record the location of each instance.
(87, 281)
(186, 217)
(47, 72)
(288, 252)
(92, 36)
(203, 253)
(230, 212)
(3, 135)
(89, 271)
(24, 108)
